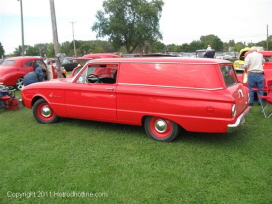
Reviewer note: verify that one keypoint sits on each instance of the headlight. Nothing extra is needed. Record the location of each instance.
(233, 110)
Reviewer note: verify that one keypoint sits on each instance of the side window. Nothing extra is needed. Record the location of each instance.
(99, 73)
(28, 63)
(87, 72)
(41, 64)
(228, 75)
(8, 62)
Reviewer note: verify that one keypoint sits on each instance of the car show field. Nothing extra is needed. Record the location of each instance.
(66, 162)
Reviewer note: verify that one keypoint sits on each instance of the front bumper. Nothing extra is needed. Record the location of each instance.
(240, 121)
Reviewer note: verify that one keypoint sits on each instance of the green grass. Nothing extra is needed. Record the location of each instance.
(58, 163)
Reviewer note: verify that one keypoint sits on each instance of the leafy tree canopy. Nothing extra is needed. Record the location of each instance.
(129, 23)
(212, 40)
(2, 51)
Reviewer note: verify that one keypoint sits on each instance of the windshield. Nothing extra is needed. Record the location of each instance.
(228, 75)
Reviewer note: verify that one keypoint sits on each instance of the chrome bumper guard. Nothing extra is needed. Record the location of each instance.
(240, 121)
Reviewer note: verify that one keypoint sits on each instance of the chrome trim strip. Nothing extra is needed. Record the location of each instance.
(107, 61)
(175, 87)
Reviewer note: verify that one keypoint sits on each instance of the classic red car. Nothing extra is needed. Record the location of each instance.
(12, 70)
(161, 93)
(267, 68)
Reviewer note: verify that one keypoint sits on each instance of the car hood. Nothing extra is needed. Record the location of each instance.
(53, 83)
(242, 53)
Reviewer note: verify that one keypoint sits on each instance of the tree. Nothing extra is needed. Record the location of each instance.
(196, 45)
(17, 51)
(238, 46)
(2, 51)
(129, 23)
(31, 51)
(212, 40)
(51, 51)
(42, 48)
(184, 48)
(157, 47)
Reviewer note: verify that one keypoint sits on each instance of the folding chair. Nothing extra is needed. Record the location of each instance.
(266, 101)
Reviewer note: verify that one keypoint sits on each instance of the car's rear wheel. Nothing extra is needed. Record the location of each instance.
(19, 83)
(161, 129)
(43, 112)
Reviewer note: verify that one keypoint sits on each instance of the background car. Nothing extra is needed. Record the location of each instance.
(267, 66)
(69, 64)
(53, 63)
(230, 55)
(201, 53)
(239, 63)
(219, 55)
(12, 70)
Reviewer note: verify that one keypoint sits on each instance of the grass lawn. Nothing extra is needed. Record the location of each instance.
(77, 161)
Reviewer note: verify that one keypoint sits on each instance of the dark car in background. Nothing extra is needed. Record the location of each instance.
(201, 53)
(69, 64)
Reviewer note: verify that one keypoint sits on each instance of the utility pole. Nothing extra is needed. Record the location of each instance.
(75, 53)
(55, 36)
(267, 39)
(22, 28)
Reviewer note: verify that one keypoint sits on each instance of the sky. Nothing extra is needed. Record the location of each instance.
(181, 21)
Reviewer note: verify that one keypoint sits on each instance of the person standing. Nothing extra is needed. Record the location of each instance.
(36, 76)
(209, 52)
(254, 67)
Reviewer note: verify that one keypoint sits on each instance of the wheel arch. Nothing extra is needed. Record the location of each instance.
(164, 117)
(36, 98)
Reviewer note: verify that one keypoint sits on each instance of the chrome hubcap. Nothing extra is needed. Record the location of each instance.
(46, 111)
(160, 126)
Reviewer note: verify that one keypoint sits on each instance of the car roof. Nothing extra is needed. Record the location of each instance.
(25, 58)
(264, 53)
(99, 55)
(184, 60)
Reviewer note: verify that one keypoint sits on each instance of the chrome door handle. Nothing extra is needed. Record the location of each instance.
(110, 89)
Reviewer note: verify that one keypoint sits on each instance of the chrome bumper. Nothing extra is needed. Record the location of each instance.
(240, 121)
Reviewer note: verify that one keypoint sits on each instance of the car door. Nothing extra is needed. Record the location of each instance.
(27, 67)
(92, 100)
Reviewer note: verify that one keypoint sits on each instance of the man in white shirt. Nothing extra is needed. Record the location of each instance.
(254, 67)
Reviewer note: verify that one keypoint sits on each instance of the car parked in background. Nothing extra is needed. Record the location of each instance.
(12, 70)
(69, 64)
(230, 55)
(219, 55)
(52, 62)
(85, 58)
(267, 67)
(201, 53)
(239, 63)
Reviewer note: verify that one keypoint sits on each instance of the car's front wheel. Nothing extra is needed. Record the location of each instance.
(43, 112)
(161, 129)
(19, 83)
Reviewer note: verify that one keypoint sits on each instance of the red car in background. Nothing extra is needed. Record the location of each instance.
(85, 58)
(12, 70)
(267, 68)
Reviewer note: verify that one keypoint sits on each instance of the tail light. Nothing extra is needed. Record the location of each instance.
(233, 110)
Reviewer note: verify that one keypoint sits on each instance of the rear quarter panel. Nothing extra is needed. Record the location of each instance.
(191, 95)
